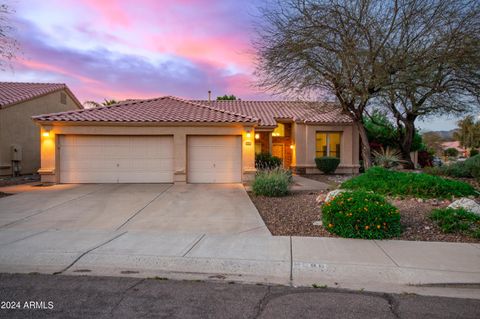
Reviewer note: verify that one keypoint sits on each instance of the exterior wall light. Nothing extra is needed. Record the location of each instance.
(249, 135)
(257, 136)
(291, 146)
(46, 131)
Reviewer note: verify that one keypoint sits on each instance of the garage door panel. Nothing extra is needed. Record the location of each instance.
(214, 159)
(116, 159)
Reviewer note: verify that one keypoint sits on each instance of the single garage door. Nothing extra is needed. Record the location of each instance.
(116, 159)
(214, 159)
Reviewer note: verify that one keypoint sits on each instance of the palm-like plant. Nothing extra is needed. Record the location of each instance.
(96, 104)
(387, 158)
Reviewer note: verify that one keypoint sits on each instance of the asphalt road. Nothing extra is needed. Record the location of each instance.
(112, 297)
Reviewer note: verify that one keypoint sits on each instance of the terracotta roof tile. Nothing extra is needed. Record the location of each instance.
(16, 92)
(163, 109)
(268, 111)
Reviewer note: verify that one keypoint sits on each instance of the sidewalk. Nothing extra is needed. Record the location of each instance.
(387, 266)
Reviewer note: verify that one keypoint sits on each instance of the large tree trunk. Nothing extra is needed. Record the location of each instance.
(366, 152)
(407, 141)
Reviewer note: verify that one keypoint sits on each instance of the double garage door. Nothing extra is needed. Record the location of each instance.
(147, 159)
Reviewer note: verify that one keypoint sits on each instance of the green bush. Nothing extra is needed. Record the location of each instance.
(267, 161)
(473, 166)
(327, 164)
(393, 183)
(451, 152)
(360, 214)
(272, 183)
(458, 170)
(457, 221)
(474, 152)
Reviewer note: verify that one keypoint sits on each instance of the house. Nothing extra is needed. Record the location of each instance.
(19, 136)
(168, 139)
(456, 145)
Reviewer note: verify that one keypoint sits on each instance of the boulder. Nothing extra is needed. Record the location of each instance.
(331, 195)
(321, 198)
(467, 204)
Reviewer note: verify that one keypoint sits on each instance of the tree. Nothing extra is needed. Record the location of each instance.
(436, 55)
(332, 47)
(395, 53)
(105, 102)
(382, 132)
(226, 98)
(468, 132)
(8, 45)
(433, 141)
(451, 152)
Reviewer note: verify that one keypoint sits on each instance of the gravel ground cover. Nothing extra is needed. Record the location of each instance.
(8, 180)
(295, 214)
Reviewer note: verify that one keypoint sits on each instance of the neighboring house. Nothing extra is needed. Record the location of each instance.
(456, 145)
(168, 140)
(19, 135)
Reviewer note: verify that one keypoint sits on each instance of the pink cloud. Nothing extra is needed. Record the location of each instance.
(40, 66)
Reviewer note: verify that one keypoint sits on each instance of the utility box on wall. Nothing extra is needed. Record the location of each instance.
(15, 152)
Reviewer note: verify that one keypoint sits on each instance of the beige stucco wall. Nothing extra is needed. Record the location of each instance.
(305, 147)
(50, 159)
(17, 127)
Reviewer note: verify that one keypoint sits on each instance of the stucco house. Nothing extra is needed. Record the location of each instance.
(19, 136)
(168, 139)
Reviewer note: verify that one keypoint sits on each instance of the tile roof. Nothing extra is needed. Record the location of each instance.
(163, 109)
(16, 92)
(268, 111)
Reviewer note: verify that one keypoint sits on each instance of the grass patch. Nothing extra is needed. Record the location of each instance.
(393, 183)
(457, 221)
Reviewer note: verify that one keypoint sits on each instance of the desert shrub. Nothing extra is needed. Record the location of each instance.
(459, 170)
(387, 158)
(451, 152)
(272, 183)
(327, 164)
(359, 214)
(393, 183)
(267, 161)
(457, 221)
(474, 152)
(472, 164)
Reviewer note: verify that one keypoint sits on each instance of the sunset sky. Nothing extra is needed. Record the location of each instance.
(118, 49)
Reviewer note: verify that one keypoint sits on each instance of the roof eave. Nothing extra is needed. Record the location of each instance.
(119, 123)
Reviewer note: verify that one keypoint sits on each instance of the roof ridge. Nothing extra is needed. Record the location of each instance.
(99, 107)
(46, 83)
(212, 108)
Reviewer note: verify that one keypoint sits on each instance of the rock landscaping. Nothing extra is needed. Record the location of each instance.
(8, 181)
(300, 214)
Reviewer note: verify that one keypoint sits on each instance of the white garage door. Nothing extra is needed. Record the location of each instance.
(214, 159)
(116, 159)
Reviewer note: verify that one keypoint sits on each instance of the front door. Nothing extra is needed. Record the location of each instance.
(278, 150)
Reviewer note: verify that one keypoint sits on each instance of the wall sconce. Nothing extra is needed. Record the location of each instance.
(249, 135)
(46, 131)
(291, 146)
(257, 136)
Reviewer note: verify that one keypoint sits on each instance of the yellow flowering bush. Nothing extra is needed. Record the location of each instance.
(359, 214)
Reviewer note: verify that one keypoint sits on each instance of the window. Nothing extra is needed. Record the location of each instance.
(328, 144)
(258, 148)
(279, 130)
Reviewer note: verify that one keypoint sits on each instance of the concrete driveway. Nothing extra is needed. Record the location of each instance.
(200, 208)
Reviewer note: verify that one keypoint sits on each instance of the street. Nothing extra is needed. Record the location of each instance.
(58, 296)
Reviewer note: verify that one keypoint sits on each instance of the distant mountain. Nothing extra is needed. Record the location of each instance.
(446, 135)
